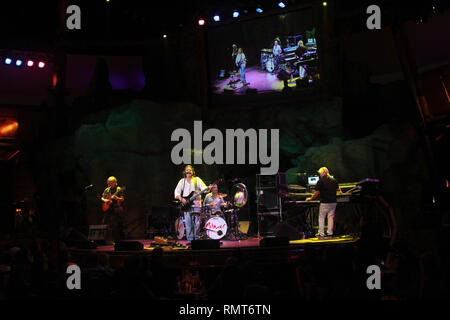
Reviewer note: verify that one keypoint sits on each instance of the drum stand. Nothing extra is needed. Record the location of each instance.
(233, 80)
(234, 232)
(203, 218)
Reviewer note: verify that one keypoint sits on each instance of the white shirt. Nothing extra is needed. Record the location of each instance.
(276, 50)
(189, 187)
(217, 201)
(240, 59)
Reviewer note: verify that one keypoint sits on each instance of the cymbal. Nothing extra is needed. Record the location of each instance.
(221, 195)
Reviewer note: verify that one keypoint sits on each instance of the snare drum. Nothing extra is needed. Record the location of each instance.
(207, 211)
(216, 227)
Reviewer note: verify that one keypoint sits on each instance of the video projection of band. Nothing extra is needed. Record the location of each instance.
(268, 54)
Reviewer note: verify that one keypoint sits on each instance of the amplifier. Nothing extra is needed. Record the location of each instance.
(97, 232)
(270, 181)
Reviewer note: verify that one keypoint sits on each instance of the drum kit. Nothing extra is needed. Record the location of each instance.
(222, 223)
(269, 62)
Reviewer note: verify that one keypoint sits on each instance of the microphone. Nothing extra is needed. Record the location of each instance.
(89, 186)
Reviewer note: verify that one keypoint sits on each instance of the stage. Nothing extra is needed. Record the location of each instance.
(179, 253)
(260, 80)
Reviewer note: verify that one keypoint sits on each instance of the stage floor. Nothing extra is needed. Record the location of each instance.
(258, 79)
(179, 253)
(249, 243)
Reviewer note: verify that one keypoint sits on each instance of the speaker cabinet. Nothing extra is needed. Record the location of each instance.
(267, 223)
(274, 242)
(264, 181)
(285, 230)
(128, 246)
(97, 232)
(268, 200)
(267, 190)
(205, 244)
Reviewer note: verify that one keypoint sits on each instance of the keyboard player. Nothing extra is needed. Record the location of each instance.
(326, 189)
(299, 52)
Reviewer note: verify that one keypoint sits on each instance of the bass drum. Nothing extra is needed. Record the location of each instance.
(216, 228)
(270, 65)
(179, 228)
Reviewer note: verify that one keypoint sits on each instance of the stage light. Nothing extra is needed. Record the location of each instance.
(8, 61)
(54, 80)
(259, 10)
(30, 63)
(216, 18)
(41, 64)
(8, 127)
(324, 4)
(201, 22)
(281, 4)
(164, 36)
(18, 62)
(235, 14)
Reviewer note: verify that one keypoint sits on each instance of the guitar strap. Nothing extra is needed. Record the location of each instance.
(184, 184)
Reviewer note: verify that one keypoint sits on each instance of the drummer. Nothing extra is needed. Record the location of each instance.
(214, 200)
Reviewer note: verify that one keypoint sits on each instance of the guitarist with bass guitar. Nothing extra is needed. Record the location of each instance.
(112, 199)
(188, 191)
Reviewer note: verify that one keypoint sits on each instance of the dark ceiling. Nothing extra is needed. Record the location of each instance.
(42, 23)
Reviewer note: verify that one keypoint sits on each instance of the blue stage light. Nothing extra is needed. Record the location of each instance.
(259, 10)
(18, 62)
(8, 61)
(216, 18)
(235, 14)
(281, 4)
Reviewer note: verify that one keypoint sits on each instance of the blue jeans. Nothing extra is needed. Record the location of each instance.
(242, 72)
(192, 223)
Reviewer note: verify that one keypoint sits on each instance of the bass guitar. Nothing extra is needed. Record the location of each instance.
(107, 204)
(192, 196)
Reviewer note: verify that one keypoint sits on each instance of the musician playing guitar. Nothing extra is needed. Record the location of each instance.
(187, 186)
(112, 199)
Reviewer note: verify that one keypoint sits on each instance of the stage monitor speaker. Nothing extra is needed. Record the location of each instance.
(274, 242)
(128, 246)
(205, 244)
(286, 231)
(84, 244)
(75, 238)
(283, 75)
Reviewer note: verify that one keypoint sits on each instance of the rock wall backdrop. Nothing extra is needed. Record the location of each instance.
(133, 143)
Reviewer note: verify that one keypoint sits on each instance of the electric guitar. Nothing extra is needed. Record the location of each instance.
(192, 196)
(107, 204)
